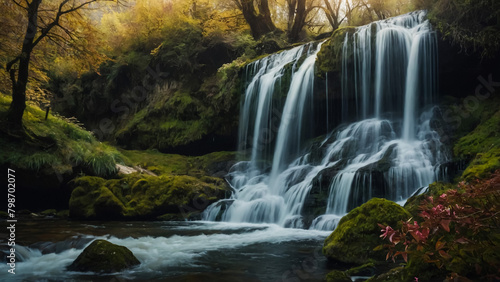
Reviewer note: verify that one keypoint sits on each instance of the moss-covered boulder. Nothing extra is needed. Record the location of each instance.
(102, 256)
(143, 196)
(356, 236)
(92, 199)
(180, 187)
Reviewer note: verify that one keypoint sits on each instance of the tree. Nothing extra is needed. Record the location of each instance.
(383, 9)
(299, 16)
(296, 18)
(258, 18)
(333, 12)
(51, 22)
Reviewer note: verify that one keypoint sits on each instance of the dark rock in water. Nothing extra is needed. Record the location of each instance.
(224, 205)
(316, 201)
(382, 165)
(295, 222)
(317, 152)
(357, 234)
(104, 257)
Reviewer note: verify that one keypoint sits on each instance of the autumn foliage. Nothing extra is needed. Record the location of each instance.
(458, 232)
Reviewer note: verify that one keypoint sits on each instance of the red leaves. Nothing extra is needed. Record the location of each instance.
(445, 223)
(457, 223)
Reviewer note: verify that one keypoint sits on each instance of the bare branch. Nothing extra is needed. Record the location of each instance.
(60, 13)
(19, 4)
(67, 31)
(78, 7)
(12, 62)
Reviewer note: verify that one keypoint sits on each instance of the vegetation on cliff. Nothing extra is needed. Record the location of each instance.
(58, 147)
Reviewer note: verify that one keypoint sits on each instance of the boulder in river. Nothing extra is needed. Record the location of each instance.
(102, 256)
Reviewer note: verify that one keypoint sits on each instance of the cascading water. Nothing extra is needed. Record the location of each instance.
(388, 81)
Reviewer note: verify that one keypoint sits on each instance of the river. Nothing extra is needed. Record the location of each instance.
(171, 251)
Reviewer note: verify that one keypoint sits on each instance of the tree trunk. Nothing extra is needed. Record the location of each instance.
(291, 13)
(333, 15)
(299, 22)
(260, 23)
(16, 109)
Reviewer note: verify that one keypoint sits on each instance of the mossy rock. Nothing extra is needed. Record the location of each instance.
(338, 276)
(137, 196)
(483, 165)
(483, 146)
(102, 256)
(357, 234)
(93, 199)
(394, 274)
(329, 57)
(367, 269)
(435, 189)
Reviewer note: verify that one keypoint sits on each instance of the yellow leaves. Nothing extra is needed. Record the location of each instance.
(141, 26)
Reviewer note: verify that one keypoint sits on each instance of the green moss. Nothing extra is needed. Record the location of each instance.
(436, 189)
(181, 115)
(107, 205)
(143, 196)
(484, 137)
(395, 274)
(329, 57)
(361, 270)
(104, 257)
(87, 190)
(483, 165)
(357, 234)
(482, 145)
(172, 164)
(57, 146)
(338, 276)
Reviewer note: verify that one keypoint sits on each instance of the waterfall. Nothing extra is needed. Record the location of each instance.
(295, 112)
(384, 148)
(256, 108)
